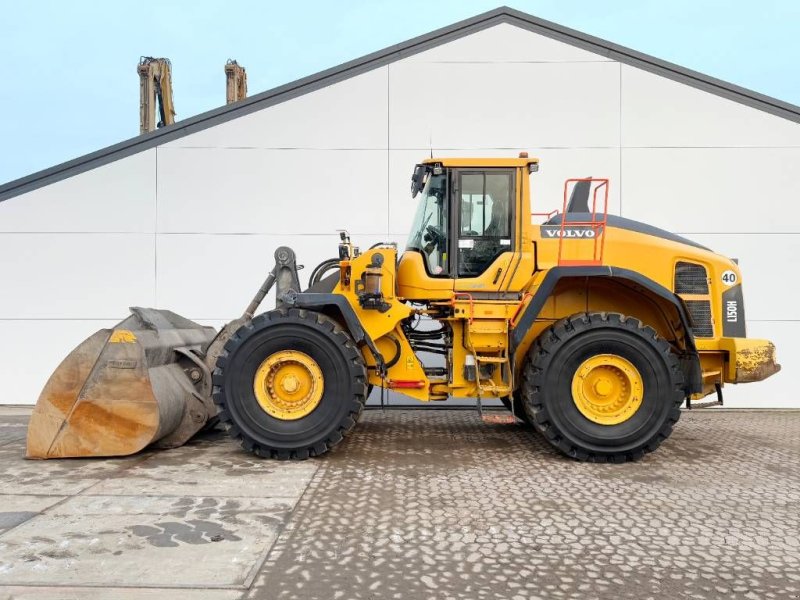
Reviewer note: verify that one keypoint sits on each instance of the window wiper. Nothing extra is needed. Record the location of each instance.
(418, 237)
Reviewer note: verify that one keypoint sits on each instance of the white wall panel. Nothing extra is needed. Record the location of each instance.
(32, 349)
(401, 205)
(119, 196)
(660, 112)
(504, 105)
(348, 114)
(271, 191)
(779, 391)
(712, 190)
(770, 287)
(547, 186)
(505, 43)
(206, 276)
(556, 166)
(75, 276)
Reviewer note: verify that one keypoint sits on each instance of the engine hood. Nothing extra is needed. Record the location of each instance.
(623, 223)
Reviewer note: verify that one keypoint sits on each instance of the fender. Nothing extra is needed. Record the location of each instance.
(692, 370)
(316, 301)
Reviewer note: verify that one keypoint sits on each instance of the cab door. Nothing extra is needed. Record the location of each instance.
(482, 228)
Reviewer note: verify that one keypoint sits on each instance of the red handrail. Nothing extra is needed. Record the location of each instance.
(598, 226)
(548, 215)
(468, 296)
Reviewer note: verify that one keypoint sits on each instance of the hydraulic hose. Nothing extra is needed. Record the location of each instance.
(397, 353)
(321, 269)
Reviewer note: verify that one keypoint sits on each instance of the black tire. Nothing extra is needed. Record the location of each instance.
(344, 392)
(547, 393)
(519, 408)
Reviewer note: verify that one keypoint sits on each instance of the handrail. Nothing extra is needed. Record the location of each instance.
(598, 226)
(471, 306)
(548, 215)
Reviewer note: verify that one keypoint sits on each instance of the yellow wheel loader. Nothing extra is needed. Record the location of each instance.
(593, 328)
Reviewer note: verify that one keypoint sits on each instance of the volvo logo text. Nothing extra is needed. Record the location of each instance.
(570, 232)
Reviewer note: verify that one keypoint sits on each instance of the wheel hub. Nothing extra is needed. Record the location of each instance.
(607, 389)
(288, 385)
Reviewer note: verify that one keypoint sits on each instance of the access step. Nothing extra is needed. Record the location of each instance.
(492, 359)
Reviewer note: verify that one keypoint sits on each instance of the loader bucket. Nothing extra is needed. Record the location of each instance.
(122, 389)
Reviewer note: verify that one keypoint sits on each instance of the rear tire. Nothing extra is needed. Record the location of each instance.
(344, 377)
(549, 375)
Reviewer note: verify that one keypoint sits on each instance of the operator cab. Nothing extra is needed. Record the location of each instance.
(464, 233)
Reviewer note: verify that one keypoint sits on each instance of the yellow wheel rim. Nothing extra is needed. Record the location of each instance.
(288, 385)
(607, 389)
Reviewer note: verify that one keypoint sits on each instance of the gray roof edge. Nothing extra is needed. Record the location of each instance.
(383, 57)
(658, 66)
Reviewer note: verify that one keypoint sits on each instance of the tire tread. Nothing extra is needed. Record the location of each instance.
(349, 350)
(537, 363)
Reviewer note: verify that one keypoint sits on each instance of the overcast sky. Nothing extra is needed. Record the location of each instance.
(69, 84)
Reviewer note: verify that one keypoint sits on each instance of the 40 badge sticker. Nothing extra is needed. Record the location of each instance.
(729, 278)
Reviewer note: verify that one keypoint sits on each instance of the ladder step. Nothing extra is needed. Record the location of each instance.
(497, 389)
(491, 359)
(435, 371)
(708, 404)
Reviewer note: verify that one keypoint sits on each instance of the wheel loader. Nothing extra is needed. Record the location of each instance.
(592, 328)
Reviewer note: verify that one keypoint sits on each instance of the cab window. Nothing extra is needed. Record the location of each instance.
(429, 230)
(484, 231)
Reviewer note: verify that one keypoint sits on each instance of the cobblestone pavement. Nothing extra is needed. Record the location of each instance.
(415, 504)
(439, 505)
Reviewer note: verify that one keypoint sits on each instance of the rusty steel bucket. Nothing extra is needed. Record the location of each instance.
(142, 383)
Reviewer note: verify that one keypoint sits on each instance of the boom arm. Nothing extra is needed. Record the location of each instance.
(155, 86)
(235, 82)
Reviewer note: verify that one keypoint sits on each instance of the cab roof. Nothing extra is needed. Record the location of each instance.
(483, 162)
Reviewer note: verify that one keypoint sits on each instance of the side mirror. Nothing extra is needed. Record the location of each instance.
(418, 179)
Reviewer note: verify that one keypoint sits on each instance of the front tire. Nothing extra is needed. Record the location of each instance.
(601, 387)
(324, 381)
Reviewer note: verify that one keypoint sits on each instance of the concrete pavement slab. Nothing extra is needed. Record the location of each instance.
(142, 541)
(19, 410)
(16, 509)
(57, 477)
(13, 428)
(105, 593)
(213, 466)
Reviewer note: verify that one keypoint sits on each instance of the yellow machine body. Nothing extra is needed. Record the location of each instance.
(487, 308)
